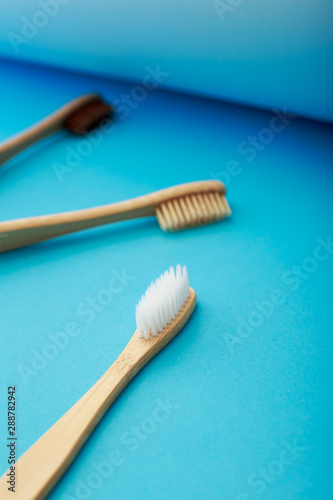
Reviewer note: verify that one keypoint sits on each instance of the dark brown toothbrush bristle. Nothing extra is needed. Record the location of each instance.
(88, 117)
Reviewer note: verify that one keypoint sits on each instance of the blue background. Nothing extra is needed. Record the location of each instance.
(265, 53)
(235, 407)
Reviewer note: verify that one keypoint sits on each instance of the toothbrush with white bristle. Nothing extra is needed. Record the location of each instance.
(160, 314)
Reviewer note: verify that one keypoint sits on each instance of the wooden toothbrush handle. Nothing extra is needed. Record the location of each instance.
(42, 129)
(42, 465)
(23, 232)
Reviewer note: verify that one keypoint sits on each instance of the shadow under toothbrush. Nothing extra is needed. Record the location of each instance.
(93, 238)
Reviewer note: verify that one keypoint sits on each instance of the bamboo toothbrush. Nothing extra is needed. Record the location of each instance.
(161, 313)
(178, 207)
(79, 116)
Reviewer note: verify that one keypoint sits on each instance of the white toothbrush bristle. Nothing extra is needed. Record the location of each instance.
(162, 302)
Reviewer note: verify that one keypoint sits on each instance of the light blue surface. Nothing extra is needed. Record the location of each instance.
(234, 408)
(264, 53)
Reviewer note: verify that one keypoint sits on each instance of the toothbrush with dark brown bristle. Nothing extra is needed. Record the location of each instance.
(79, 116)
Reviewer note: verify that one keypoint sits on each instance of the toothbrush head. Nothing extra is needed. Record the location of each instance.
(166, 305)
(89, 115)
(206, 204)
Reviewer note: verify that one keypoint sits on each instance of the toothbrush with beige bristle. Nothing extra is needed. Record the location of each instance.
(161, 313)
(176, 208)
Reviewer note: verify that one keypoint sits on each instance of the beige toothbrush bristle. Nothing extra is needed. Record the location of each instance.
(192, 210)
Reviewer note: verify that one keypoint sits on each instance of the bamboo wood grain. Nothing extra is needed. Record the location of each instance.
(42, 129)
(39, 469)
(22, 232)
